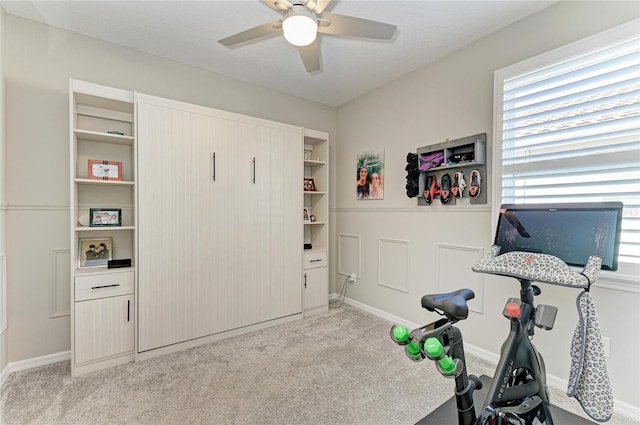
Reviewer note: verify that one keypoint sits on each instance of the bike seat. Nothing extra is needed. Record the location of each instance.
(453, 304)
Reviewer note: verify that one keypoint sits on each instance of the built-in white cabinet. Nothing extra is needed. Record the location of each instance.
(205, 205)
(316, 282)
(102, 195)
(219, 202)
(316, 220)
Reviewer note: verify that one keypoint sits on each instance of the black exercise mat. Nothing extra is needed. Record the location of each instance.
(447, 414)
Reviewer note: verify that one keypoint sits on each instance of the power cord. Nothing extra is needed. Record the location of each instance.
(341, 297)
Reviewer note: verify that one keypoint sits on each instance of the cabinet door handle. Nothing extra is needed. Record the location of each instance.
(305, 280)
(105, 286)
(128, 310)
(213, 167)
(253, 170)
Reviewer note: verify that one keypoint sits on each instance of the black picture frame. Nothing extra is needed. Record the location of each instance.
(105, 217)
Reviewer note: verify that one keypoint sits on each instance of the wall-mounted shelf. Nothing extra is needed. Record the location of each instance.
(465, 155)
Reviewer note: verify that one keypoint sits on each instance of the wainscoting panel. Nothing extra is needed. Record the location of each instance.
(59, 283)
(453, 271)
(348, 254)
(3, 292)
(393, 264)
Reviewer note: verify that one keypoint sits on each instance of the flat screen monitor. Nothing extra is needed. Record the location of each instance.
(571, 232)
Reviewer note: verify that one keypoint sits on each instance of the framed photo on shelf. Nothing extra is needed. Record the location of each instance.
(104, 170)
(99, 217)
(306, 217)
(95, 252)
(309, 185)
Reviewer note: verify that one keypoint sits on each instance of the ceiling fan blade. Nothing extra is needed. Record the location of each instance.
(270, 28)
(278, 5)
(356, 27)
(320, 5)
(310, 56)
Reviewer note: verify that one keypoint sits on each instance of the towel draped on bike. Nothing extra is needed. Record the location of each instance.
(589, 380)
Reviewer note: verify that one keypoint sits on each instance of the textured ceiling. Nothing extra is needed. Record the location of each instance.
(187, 32)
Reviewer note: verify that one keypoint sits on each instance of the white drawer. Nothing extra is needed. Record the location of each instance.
(313, 260)
(103, 285)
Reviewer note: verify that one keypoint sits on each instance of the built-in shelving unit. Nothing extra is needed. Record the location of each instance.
(316, 232)
(102, 299)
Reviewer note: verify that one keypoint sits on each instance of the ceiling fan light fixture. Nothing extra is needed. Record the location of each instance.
(300, 26)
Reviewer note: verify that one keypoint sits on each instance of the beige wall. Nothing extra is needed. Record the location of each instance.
(453, 98)
(449, 99)
(39, 61)
(3, 212)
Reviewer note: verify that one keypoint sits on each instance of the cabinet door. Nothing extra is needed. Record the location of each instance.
(165, 194)
(267, 232)
(103, 327)
(214, 191)
(285, 156)
(316, 292)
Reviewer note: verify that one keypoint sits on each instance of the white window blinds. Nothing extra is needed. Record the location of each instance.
(569, 130)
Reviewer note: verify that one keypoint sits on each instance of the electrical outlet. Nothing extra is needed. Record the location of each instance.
(606, 342)
(352, 277)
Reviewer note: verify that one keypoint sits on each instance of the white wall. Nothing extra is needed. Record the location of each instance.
(453, 98)
(39, 61)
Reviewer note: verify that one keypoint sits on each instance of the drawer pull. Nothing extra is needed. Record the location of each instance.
(105, 286)
(315, 261)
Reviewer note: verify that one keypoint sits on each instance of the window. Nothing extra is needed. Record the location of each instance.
(567, 128)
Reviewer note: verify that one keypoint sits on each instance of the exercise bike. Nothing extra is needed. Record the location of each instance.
(518, 394)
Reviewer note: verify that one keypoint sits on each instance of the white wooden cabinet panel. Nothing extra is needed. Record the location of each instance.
(213, 189)
(103, 328)
(316, 293)
(219, 234)
(103, 285)
(164, 242)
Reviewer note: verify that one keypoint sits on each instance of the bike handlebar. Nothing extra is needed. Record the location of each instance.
(537, 267)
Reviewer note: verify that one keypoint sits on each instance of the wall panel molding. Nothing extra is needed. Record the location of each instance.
(453, 271)
(431, 210)
(59, 283)
(349, 254)
(393, 264)
(3, 292)
(36, 207)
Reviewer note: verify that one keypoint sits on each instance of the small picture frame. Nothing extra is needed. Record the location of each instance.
(306, 217)
(309, 185)
(105, 217)
(104, 170)
(94, 252)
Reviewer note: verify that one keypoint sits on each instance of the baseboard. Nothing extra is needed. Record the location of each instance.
(39, 361)
(619, 407)
(4, 375)
(33, 362)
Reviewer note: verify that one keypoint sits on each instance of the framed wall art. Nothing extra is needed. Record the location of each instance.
(104, 170)
(105, 217)
(94, 252)
(306, 215)
(309, 185)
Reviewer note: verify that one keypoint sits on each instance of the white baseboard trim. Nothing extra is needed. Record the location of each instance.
(39, 361)
(619, 407)
(4, 375)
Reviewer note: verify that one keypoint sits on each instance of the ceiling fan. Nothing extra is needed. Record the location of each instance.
(303, 19)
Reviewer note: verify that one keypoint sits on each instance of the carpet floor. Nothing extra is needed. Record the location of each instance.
(338, 367)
